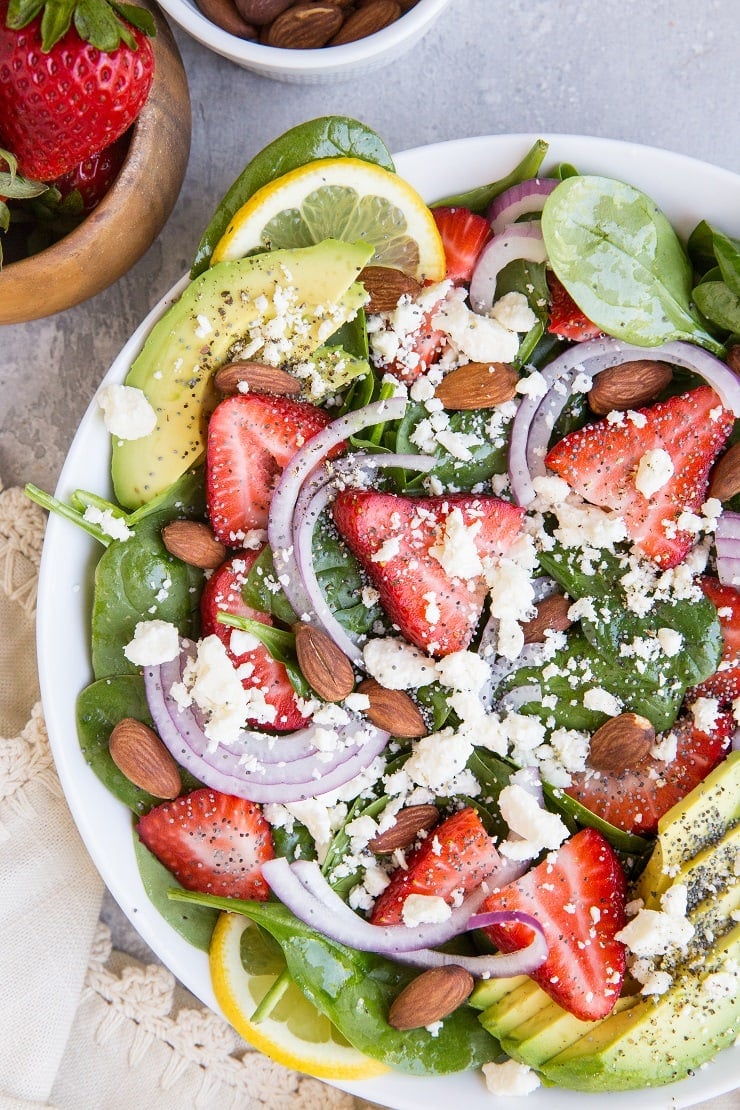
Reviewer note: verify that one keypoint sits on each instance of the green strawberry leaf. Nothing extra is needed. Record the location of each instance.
(21, 12)
(55, 21)
(98, 24)
(102, 24)
(137, 17)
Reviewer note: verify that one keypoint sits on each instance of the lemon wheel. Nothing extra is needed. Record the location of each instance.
(244, 967)
(340, 198)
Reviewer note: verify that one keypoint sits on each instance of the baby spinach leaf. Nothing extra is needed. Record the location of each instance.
(137, 579)
(719, 304)
(192, 921)
(488, 455)
(355, 991)
(529, 279)
(263, 592)
(621, 261)
(480, 198)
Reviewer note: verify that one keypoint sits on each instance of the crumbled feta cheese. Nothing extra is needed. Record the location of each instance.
(705, 712)
(601, 701)
(464, 671)
(241, 642)
(670, 640)
(654, 932)
(438, 758)
(127, 413)
(455, 548)
(535, 828)
(108, 522)
(424, 909)
(211, 681)
(510, 1078)
(513, 312)
(398, 665)
(654, 469)
(479, 338)
(154, 642)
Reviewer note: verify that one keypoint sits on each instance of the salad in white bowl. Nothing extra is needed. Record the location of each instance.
(414, 638)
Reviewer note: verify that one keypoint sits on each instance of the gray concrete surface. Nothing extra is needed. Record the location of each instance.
(652, 71)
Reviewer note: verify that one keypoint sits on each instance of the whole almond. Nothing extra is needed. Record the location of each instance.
(622, 743)
(367, 20)
(386, 286)
(552, 615)
(225, 14)
(305, 26)
(142, 757)
(325, 666)
(431, 997)
(725, 480)
(477, 385)
(257, 377)
(260, 12)
(628, 385)
(393, 710)
(194, 543)
(409, 823)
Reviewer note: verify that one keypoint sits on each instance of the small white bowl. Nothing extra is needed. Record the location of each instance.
(310, 67)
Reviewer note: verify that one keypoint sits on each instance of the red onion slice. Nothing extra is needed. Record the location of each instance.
(518, 241)
(282, 506)
(536, 417)
(304, 890)
(259, 767)
(520, 200)
(727, 540)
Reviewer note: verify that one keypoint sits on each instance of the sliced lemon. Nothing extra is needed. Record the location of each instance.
(244, 967)
(339, 198)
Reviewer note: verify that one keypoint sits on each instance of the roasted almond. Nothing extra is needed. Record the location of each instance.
(386, 286)
(142, 757)
(371, 17)
(477, 385)
(552, 615)
(393, 710)
(628, 385)
(431, 997)
(257, 378)
(194, 543)
(305, 26)
(725, 480)
(225, 14)
(409, 823)
(325, 667)
(621, 743)
(260, 12)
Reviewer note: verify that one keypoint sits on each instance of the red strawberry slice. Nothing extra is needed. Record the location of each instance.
(601, 462)
(634, 799)
(463, 237)
(394, 538)
(418, 350)
(211, 842)
(577, 894)
(59, 107)
(725, 683)
(566, 319)
(455, 856)
(223, 594)
(251, 438)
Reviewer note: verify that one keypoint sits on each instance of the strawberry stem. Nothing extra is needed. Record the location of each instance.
(103, 23)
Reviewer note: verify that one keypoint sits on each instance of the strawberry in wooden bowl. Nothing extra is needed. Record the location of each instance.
(90, 169)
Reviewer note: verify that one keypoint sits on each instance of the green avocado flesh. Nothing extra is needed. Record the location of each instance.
(648, 1041)
(223, 308)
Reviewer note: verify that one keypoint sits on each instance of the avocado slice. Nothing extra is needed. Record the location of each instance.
(661, 1040)
(551, 1030)
(691, 825)
(488, 991)
(513, 1009)
(219, 316)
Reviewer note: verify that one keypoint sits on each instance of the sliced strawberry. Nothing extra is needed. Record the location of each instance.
(725, 683)
(455, 856)
(223, 594)
(636, 798)
(577, 894)
(416, 351)
(463, 236)
(211, 842)
(394, 538)
(601, 463)
(251, 438)
(566, 318)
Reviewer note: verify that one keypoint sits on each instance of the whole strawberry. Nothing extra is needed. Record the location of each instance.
(73, 78)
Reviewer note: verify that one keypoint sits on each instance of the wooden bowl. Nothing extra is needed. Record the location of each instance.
(130, 216)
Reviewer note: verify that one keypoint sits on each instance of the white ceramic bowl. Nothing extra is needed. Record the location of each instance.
(687, 190)
(310, 67)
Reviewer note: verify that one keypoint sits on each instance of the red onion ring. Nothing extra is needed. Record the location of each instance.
(536, 417)
(519, 200)
(306, 893)
(727, 541)
(282, 506)
(518, 241)
(289, 769)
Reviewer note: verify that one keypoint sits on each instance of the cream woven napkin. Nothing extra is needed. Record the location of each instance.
(81, 1026)
(84, 1027)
